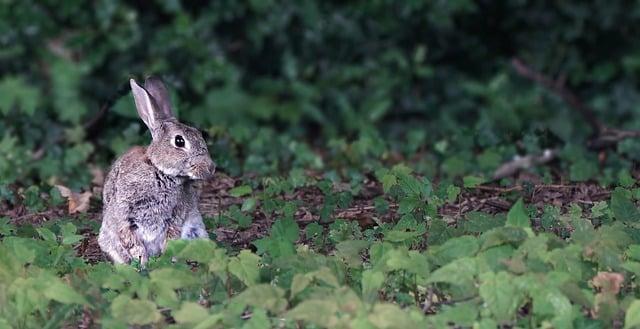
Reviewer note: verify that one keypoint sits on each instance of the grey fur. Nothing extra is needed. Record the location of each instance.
(151, 194)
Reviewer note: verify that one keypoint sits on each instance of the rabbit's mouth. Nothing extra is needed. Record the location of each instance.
(201, 171)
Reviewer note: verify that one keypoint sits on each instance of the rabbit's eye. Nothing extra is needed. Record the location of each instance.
(179, 141)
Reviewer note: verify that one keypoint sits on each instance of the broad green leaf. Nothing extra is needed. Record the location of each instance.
(60, 292)
(319, 312)
(299, 283)
(503, 235)
(388, 181)
(245, 267)
(349, 251)
(371, 282)
(248, 205)
(46, 234)
(240, 191)
(390, 316)
(460, 271)
(286, 229)
(172, 278)
(452, 193)
(259, 320)
(68, 231)
(632, 317)
(472, 181)
(501, 296)
(623, 209)
(263, 295)
(191, 312)
(14, 91)
(134, 311)
(634, 252)
(517, 216)
(464, 246)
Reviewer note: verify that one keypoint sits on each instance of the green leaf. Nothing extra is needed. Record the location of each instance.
(319, 312)
(68, 231)
(259, 320)
(240, 191)
(388, 181)
(248, 205)
(632, 317)
(299, 283)
(46, 234)
(472, 181)
(623, 209)
(245, 267)
(452, 193)
(625, 179)
(286, 229)
(14, 91)
(350, 250)
(517, 216)
(371, 282)
(134, 311)
(464, 246)
(390, 316)
(60, 292)
(191, 313)
(263, 295)
(172, 278)
(501, 296)
(458, 272)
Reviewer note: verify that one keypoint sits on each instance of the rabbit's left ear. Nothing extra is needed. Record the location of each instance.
(147, 109)
(160, 95)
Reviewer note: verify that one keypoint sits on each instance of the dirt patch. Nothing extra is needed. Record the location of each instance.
(216, 199)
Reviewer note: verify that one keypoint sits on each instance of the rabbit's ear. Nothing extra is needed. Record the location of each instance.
(147, 109)
(160, 95)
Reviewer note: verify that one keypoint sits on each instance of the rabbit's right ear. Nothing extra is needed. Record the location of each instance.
(147, 108)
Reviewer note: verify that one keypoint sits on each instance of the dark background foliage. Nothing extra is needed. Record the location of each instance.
(366, 79)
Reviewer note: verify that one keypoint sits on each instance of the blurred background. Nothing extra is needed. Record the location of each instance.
(338, 87)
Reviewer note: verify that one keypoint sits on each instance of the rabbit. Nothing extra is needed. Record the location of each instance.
(150, 194)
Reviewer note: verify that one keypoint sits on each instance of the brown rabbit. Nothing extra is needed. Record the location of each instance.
(150, 194)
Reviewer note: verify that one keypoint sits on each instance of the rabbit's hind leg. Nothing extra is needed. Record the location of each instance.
(133, 245)
(112, 246)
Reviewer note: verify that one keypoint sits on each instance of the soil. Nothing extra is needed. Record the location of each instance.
(215, 200)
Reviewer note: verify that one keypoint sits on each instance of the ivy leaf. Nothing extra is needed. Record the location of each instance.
(517, 216)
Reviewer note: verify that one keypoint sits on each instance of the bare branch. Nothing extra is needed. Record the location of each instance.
(558, 87)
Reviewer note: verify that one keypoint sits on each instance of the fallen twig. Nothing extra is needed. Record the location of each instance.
(524, 162)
